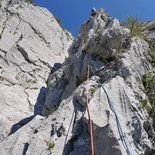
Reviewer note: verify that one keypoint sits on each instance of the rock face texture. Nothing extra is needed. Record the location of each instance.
(31, 44)
(115, 79)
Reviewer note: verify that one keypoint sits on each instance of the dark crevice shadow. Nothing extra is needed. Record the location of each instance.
(56, 67)
(40, 101)
(38, 105)
(26, 145)
(20, 124)
(37, 111)
(78, 128)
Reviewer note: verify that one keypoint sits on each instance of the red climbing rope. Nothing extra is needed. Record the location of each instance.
(89, 116)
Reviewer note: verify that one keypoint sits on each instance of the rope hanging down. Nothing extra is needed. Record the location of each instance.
(116, 116)
(89, 116)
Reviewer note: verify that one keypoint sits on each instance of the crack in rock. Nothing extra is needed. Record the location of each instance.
(30, 104)
(45, 63)
(6, 61)
(26, 146)
(3, 51)
(25, 55)
(8, 17)
(35, 31)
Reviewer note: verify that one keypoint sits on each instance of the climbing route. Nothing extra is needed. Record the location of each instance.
(89, 115)
(116, 116)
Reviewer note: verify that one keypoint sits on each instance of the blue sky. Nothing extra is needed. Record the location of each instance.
(72, 13)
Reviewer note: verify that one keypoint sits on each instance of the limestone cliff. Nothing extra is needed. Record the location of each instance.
(32, 43)
(120, 74)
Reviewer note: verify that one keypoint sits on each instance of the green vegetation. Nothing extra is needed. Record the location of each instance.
(145, 105)
(152, 61)
(92, 90)
(149, 85)
(143, 102)
(31, 81)
(121, 50)
(50, 144)
(59, 22)
(151, 53)
(135, 27)
(52, 110)
(152, 50)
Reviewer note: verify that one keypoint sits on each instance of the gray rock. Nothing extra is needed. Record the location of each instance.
(101, 36)
(149, 30)
(27, 55)
(65, 129)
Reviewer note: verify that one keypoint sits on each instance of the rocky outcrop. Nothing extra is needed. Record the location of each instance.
(32, 45)
(117, 81)
(149, 30)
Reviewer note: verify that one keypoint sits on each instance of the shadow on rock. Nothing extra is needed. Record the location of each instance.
(40, 101)
(105, 138)
(80, 133)
(56, 67)
(37, 111)
(20, 124)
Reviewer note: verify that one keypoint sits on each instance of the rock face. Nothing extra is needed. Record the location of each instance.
(31, 44)
(63, 127)
(148, 29)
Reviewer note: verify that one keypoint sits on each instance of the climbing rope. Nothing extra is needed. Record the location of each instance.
(89, 116)
(116, 116)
